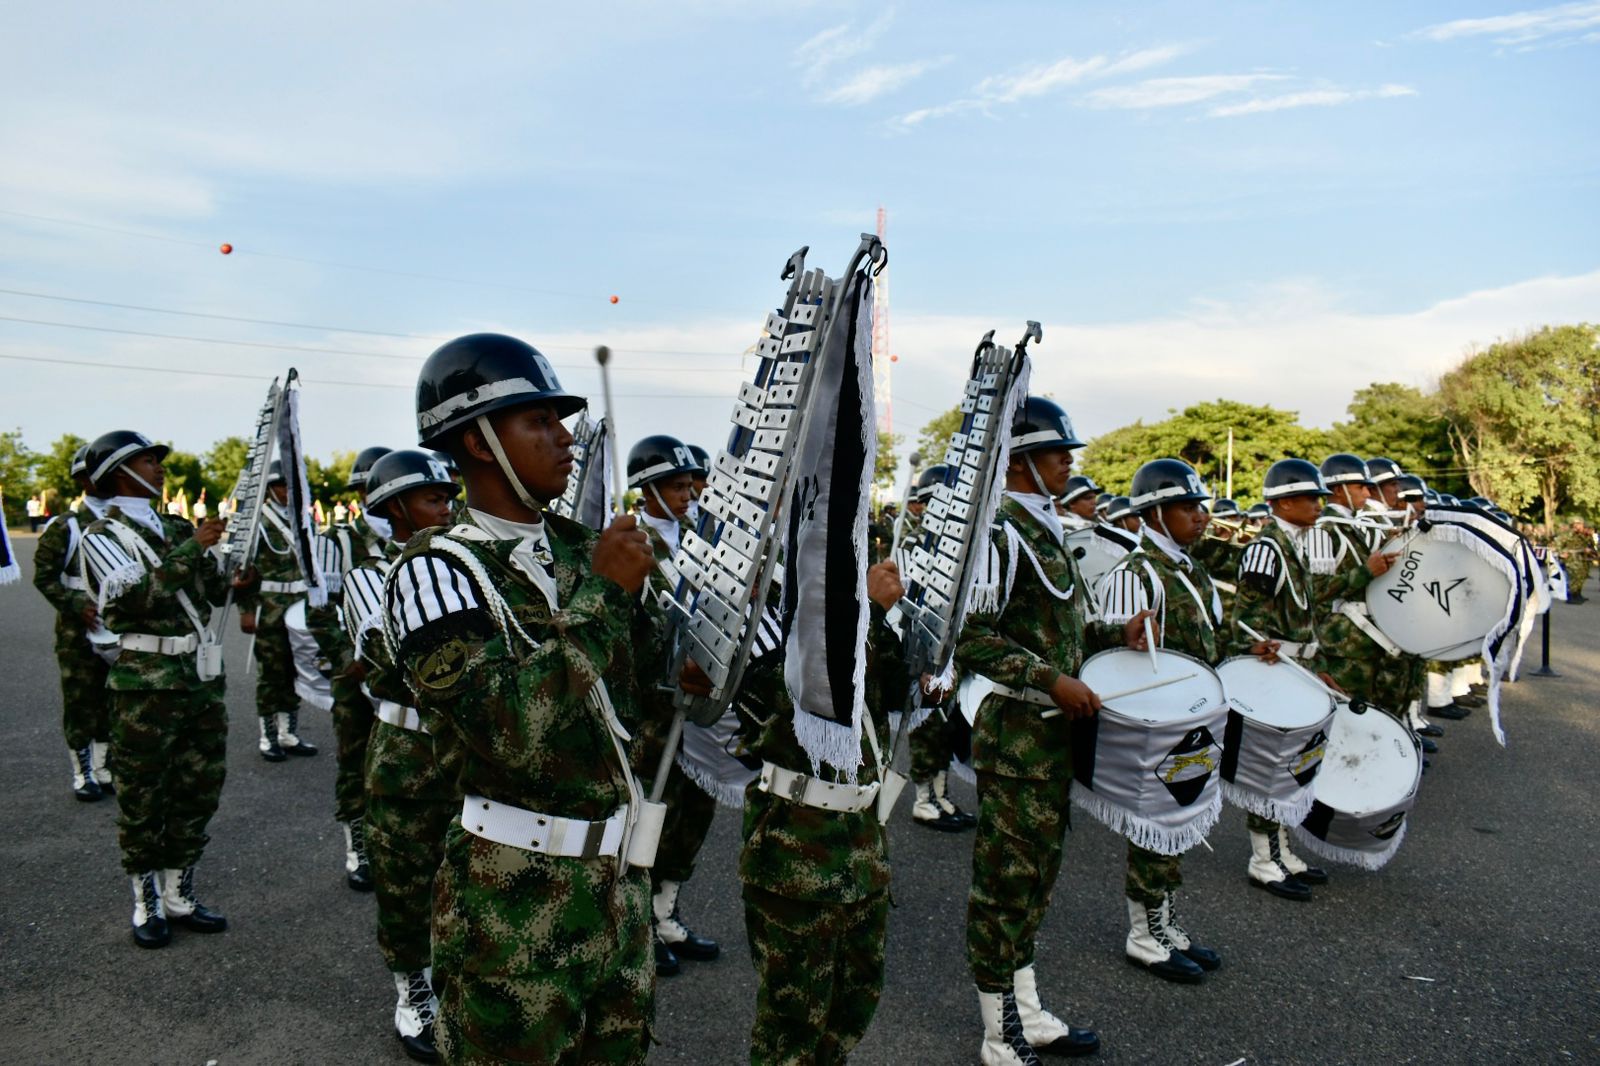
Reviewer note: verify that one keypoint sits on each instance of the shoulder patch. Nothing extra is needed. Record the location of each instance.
(1261, 565)
(441, 668)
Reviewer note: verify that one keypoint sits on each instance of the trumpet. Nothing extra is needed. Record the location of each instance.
(1241, 532)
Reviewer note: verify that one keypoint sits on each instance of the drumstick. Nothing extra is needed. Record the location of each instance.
(1163, 683)
(1150, 646)
(1338, 697)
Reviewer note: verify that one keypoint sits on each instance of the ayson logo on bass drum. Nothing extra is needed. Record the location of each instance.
(1438, 589)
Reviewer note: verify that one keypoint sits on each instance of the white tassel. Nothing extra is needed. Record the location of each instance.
(726, 793)
(1147, 834)
(320, 700)
(828, 742)
(9, 573)
(1366, 860)
(120, 580)
(1289, 812)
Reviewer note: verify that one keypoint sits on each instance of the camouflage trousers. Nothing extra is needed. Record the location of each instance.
(352, 726)
(1386, 682)
(1016, 858)
(540, 959)
(689, 812)
(1258, 824)
(85, 700)
(170, 749)
(274, 670)
(405, 843)
(819, 968)
(1151, 875)
(934, 742)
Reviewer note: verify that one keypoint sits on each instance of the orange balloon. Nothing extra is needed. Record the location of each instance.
(614, 299)
(894, 359)
(227, 249)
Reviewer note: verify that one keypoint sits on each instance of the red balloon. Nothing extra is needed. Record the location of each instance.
(226, 249)
(894, 359)
(614, 299)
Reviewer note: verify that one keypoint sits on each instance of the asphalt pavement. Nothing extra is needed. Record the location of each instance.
(1476, 944)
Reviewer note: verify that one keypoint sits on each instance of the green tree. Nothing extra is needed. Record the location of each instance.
(52, 472)
(1404, 424)
(934, 439)
(328, 479)
(886, 463)
(1523, 418)
(222, 463)
(1199, 435)
(16, 475)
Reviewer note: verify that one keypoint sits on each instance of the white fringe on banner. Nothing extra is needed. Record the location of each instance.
(726, 793)
(1289, 813)
(1152, 836)
(1366, 860)
(306, 691)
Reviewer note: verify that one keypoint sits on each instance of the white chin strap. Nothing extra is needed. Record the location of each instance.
(655, 494)
(1038, 482)
(151, 489)
(505, 465)
(1160, 523)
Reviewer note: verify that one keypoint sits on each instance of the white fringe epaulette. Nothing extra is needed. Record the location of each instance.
(109, 566)
(1366, 860)
(1152, 836)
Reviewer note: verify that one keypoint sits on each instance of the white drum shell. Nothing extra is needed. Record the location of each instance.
(1439, 599)
(1098, 556)
(1274, 739)
(1368, 783)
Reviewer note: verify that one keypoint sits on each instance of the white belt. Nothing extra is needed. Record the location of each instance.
(283, 587)
(1037, 697)
(403, 717)
(73, 582)
(1357, 613)
(544, 833)
(1292, 650)
(158, 645)
(814, 792)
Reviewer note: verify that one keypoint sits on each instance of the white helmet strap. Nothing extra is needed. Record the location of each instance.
(504, 463)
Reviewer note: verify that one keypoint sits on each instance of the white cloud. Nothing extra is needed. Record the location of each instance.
(1175, 92)
(1521, 27)
(1310, 98)
(836, 44)
(874, 82)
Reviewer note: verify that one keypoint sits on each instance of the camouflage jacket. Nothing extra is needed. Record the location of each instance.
(1275, 595)
(801, 852)
(141, 598)
(1032, 620)
(1185, 599)
(514, 721)
(1347, 581)
(57, 575)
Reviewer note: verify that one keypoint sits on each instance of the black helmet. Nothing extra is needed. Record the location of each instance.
(1101, 501)
(484, 372)
(702, 458)
(1078, 485)
(1343, 468)
(1410, 487)
(1294, 477)
(400, 471)
(1225, 508)
(1383, 470)
(110, 450)
(80, 462)
(1042, 424)
(1119, 507)
(364, 460)
(1449, 500)
(275, 472)
(1430, 497)
(1259, 510)
(1164, 481)
(446, 460)
(657, 457)
(1501, 517)
(1481, 502)
(928, 480)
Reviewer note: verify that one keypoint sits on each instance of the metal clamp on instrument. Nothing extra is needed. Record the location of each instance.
(1037, 697)
(544, 833)
(811, 791)
(401, 717)
(158, 645)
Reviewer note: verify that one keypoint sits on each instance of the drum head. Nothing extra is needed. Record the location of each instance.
(1273, 694)
(1196, 690)
(1371, 763)
(1439, 599)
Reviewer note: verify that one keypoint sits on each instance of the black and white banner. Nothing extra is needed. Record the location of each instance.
(303, 533)
(9, 570)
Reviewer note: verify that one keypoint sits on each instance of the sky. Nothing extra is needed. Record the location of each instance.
(1269, 202)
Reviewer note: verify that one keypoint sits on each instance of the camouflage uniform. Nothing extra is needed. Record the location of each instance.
(1220, 557)
(1032, 636)
(1577, 555)
(275, 673)
(816, 882)
(1187, 626)
(537, 957)
(1279, 606)
(85, 702)
(169, 729)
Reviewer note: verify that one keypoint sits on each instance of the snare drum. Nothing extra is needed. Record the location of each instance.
(310, 683)
(1440, 598)
(1275, 737)
(1367, 785)
(1146, 764)
(1096, 553)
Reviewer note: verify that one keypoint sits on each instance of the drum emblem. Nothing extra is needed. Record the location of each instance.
(1389, 827)
(1189, 765)
(1441, 592)
(1305, 764)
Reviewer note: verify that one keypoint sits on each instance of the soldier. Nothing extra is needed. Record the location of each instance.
(1276, 599)
(663, 468)
(365, 539)
(524, 643)
(156, 580)
(1219, 549)
(262, 608)
(1080, 499)
(1162, 575)
(1030, 630)
(409, 803)
(85, 703)
(1101, 502)
(942, 734)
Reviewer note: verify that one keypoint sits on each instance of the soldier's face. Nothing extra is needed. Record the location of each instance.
(1391, 495)
(1083, 506)
(420, 509)
(146, 466)
(280, 491)
(1054, 466)
(1185, 522)
(1354, 497)
(538, 446)
(916, 507)
(1298, 510)
(676, 492)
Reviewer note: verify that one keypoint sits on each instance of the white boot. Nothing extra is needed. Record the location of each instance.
(1003, 1042)
(671, 930)
(1179, 938)
(289, 734)
(150, 929)
(184, 907)
(1042, 1030)
(357, 868)
(1414, 716)
(1296, 866)
(1149, 945)
(1438, 690)
(1460, 681)
(1268, 869)
(415, 1010)
(926, 808)
(97, 759)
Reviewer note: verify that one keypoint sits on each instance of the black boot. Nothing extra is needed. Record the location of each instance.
(268, 744)
(683, 942)
(1450, 712)
(667, 964)
(1204, 958)
(84, 786)
(150, 928)
(289, 735)
(358, 873)
(177, 894)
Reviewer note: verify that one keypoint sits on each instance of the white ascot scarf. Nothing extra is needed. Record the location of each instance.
(138, 509)
(669, 528)
(1044, 509)
(531, 555)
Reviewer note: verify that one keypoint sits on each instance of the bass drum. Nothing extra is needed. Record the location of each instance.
(1146, 765)
(1367, 786)
(1441, 598)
